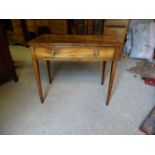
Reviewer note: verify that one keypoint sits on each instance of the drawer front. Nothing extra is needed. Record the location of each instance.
(75, 54)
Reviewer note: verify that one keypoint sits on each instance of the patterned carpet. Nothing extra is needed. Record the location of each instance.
(144, 68)
(148, 126)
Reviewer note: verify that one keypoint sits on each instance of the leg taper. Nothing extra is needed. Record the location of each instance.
(111, 80)
(103, 72)
(49, 71)
(37, 77)
(15, 76)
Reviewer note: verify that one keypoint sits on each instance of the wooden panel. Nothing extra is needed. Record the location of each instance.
(31, 25)
(56, 26)
(59, 26)
(85, 26)
(119, 31)
(75, 53)
(17, 35)
(116, 22)
(43, 22)
(16, 24)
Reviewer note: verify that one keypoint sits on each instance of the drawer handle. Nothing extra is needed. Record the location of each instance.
(52, 53)
(96, 53)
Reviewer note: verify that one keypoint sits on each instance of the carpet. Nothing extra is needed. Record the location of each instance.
(144, 68)
(148, 126)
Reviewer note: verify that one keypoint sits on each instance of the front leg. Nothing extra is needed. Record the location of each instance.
(37, 74)
(49, 71)
(103, 72)
(111, 80)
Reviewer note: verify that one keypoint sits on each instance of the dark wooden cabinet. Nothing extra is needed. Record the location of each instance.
(36, 27)
(86, 26)
(19, 31)
(7, 69)
(15, 30)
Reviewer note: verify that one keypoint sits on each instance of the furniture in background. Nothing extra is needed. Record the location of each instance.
(15, 30)
(35, 27)
(19, 31)
(117, 27)
(86, 26)
(89, 48)
(7, 69)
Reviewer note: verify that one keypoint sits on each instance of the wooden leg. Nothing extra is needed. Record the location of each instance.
(15, 76)
(111, 80)
(37, 77)
(103, 72)
(49, 71)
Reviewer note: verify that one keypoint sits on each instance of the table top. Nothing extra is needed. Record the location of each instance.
(74, 40)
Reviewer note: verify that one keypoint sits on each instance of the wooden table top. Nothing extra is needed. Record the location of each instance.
(80, 40)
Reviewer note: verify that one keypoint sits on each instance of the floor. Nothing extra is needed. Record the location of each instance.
(75, 101)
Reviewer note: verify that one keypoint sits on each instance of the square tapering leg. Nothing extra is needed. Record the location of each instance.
(111, 80)
(49, 71)
(103, 72)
